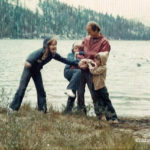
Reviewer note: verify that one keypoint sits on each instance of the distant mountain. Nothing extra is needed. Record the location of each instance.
(63, 20)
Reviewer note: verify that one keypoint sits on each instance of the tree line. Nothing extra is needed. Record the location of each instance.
(17, 21)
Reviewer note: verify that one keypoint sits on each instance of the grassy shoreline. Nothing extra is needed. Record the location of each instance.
(33, 130)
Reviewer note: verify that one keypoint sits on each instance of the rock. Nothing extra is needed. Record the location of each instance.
(138, 65)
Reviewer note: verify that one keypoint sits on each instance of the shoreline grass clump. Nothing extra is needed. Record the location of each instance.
(33, 130)
(4, 99)
(29, 129)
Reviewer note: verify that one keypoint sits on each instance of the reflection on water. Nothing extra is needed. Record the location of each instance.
(127, 77)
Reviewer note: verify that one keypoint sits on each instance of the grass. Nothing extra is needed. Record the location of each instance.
(32, 130)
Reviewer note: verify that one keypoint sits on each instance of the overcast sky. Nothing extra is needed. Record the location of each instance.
(130, 9)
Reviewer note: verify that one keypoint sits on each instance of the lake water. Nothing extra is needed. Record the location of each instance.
(128, 76)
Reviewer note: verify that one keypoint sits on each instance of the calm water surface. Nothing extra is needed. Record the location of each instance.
(128, 76)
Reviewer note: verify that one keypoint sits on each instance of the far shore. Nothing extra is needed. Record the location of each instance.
(67, 38)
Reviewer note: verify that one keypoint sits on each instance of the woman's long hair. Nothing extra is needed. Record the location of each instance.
(46, 52)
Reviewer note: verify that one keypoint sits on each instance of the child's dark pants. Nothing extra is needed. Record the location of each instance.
(104, 104)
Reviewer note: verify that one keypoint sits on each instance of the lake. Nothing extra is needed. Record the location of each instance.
(127, 76)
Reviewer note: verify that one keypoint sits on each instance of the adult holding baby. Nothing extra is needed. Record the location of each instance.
(93, 44)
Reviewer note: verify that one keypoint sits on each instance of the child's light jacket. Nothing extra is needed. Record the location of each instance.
(99, 73)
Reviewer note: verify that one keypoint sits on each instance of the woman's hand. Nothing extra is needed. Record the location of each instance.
(92, 65)
(83, 64)
(28, 65)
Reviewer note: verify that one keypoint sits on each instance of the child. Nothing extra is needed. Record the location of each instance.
(105, 110)
(33, 65)
(72, 74)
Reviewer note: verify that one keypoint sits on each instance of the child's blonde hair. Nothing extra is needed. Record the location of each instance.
(97, 56)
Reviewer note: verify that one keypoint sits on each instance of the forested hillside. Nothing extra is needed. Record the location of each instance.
(16, 21)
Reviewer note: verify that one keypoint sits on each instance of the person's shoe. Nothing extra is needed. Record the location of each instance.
(43, 109)
(47, 112)
(44, 112)
(103, 118)
(10, 111)
(67, 112)
(81, 111)
(69, 93)
(113, 121)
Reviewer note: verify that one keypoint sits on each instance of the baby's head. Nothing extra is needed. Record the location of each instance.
(75, 47)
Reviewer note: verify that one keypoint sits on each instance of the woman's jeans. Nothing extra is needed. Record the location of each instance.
(25, 78)
(73, 76)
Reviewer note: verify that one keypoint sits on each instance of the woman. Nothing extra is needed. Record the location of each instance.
(33, 65)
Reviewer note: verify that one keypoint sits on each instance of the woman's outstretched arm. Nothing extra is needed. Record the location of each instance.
(65, 60)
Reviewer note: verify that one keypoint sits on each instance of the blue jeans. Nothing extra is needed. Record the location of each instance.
(86, 78)
(72, 75)
(25, 78)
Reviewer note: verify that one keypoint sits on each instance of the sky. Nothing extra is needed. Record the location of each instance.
(130, 9)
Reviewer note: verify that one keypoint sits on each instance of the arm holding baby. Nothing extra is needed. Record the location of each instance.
(87, 63)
